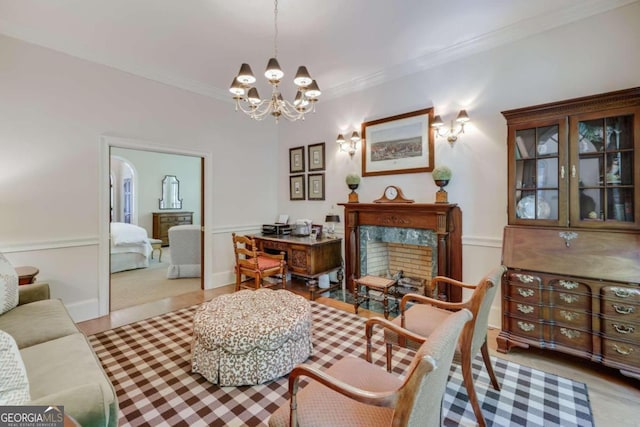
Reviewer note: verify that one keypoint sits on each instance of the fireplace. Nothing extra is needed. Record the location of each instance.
(422, 240)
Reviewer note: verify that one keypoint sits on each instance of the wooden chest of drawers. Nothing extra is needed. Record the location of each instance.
(591, 311)
(163, 221)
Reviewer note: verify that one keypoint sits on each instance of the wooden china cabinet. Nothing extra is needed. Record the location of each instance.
(572, 246)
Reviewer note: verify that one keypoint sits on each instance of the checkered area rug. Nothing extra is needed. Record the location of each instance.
(150, 366)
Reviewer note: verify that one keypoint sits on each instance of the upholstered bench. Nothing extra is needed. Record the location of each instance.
(251, 336)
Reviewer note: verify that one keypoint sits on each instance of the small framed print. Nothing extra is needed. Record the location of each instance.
(316, 186)
(296, 159)
(316, 157)
(296, 187)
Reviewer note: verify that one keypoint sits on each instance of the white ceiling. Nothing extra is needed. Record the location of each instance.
(199, 45)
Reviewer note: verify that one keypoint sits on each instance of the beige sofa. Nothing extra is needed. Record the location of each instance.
(61, 365)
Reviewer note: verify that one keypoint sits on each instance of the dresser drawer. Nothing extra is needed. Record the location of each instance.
(620, 329)
(575, 318)
(628, 354)
(570, 337)
(570, 300)
(570, 285)
(623, 294)
(526, 328)
(524, 278)
(622, 311)
(525, 310)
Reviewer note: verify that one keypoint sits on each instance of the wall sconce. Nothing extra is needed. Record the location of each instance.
(348, 146)
(453, 132)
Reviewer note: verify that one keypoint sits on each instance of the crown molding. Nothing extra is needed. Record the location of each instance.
(36, 37)
(519, 30)
(511, 33)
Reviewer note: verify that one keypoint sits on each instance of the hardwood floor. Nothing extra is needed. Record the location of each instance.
(614, 397)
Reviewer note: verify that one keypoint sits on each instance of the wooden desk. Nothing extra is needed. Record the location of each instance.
(26, 275)
(308, 258)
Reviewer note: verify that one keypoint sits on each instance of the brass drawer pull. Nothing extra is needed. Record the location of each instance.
(625, 352)
(568, 284)
(569, 315)
(525, 278)
(570, 333)
(526, 309)
(623, 309)
(527, 327)
(526, 292)
(569, 299)
(625, 292)
(624, 329)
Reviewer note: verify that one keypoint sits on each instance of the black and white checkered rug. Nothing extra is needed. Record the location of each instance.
(150, 366)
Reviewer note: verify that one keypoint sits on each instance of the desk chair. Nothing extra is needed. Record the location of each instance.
(252, 262)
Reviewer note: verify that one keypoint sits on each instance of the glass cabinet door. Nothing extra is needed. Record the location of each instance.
(538, 178)
(602, 170)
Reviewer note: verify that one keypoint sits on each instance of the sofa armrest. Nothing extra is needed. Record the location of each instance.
(34, 292)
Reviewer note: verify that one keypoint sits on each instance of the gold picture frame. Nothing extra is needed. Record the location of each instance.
(398, 144)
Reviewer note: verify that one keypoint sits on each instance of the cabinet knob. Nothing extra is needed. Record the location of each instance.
(562, 172)
(573, 171)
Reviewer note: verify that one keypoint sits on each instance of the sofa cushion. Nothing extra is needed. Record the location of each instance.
(37, 322)
(8, 285)
(65, 371)
(14, 385)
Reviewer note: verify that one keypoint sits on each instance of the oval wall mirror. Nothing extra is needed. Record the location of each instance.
(170, 193)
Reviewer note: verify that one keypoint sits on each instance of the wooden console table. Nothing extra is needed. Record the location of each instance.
(308, 258)
(442, 218)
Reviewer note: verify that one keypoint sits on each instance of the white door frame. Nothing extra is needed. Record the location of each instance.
(106, 142)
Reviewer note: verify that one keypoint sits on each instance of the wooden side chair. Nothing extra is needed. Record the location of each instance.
(426, 314)
(252, 262)
(355, 392)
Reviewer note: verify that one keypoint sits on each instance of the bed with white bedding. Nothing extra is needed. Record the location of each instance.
(130, 247)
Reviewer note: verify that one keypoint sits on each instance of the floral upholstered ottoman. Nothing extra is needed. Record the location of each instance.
(250, 337)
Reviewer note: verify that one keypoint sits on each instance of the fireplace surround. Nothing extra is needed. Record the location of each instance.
(438, 226)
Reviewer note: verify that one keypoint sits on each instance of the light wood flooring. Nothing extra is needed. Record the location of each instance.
(614, 397)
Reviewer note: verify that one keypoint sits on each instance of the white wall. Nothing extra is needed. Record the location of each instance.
(55, 108)
(595, 55)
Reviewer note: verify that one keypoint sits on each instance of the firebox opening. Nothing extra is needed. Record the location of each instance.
(406, 254)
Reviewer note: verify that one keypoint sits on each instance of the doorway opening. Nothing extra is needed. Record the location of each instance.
(134, 194)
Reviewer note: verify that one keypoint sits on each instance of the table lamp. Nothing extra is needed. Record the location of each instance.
(331, 221)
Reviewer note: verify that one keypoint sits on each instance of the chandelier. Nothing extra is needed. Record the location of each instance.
(249, 102)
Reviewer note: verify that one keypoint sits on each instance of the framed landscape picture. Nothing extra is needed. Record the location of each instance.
(316, 157)
(296, 159)
(316, 186)
(398, 144)
(296, 187)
